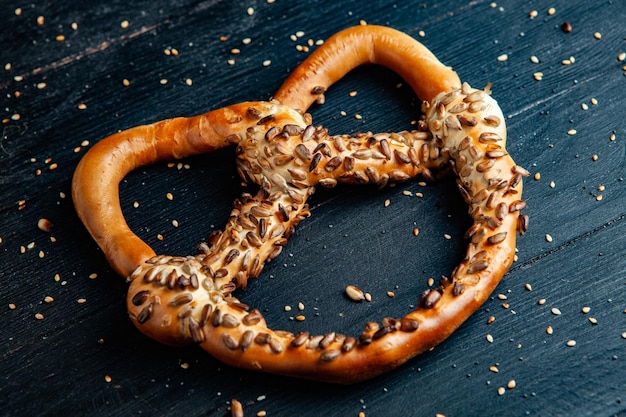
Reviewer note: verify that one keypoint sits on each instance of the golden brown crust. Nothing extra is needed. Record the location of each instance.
(181, 300)
(360, 45)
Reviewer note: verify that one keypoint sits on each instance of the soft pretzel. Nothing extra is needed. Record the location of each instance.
(179, 300)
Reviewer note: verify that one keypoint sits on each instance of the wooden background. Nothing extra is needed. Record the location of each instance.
(67, 347)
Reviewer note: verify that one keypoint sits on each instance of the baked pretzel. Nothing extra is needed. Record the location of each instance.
(179, 300)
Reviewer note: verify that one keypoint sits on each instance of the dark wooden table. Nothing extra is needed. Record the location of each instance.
(67, 346)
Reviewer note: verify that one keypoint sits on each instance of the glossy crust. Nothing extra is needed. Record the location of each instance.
(181, 300)
(368, 44)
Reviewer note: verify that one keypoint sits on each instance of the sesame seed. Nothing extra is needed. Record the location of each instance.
(541, 301)
(594, 157)
(592, 320)
(549, 330)
(623, 335)
(74, 26)
(528, 287)
(533, 14)
(169, 196)
(503, 57)
(501, 390)
(586, 309)
(494, 369)
(551, 11)
(188, 81)
(511, 384)
(47, 299)
(537, 176)
(387, 202)
(107, 378)
(159, 236)
(571, 132)
(552, 184)
(45, 225)
(601, 188)
(447, 236)
(352, 93)
(621, 56)
(358, 116)
(599, 197)
(175, 223)
(235, 51)
(184, 365)
(597, 35)
(41, 86)
(566, 27)
(534, 59)
(584, 106)
(12, 306)
(555, 311)
(491, 319)
(136, 204)
(81, 300)
(390, 294)
(301, 306)
(538, 76)
(594, 101)
(124, 24)
(267, 63)
(250, 11)
(368, 297)
(548, 238)
(39, 316)
(300, 317)
(571, 343)
(40, 20)
(81, 106)
(93, 275)
(163, 81)
(421, 34)
(287, 308)
(18, 11)
(489, 338)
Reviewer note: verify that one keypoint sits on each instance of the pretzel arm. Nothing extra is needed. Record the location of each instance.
(98, 175)
(361, 45)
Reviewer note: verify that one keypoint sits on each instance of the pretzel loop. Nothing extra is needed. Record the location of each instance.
(179, 300)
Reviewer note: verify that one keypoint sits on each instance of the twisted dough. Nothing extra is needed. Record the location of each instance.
(179, 300)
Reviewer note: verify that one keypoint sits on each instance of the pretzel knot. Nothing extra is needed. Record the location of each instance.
(179, 300)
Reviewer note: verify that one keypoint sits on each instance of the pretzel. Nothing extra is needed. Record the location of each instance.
(179, 300)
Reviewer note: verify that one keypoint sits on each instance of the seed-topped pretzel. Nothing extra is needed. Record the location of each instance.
(180, 300)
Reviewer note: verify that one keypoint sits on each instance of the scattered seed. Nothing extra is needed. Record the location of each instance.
(549, 330)
(491, 319)
(551, 11)
(368, 297)
(594, 157)
(584, 106)
(586, 309)
(301, 306)
(107, 378)
(169, 196)
(534, 59)
(597, 35)
(416, 231)
(39, 316)
(537, 176)
(421, 34)
(511, 384)
(45, 225)
(489, 338)
(47, 299)
(501, 390)
(124, 24)
(533, 14)
(571, 132)
(594, 101)
(390, 294)
(12, 306)
(503, 57)
(300, 317)
(623, 335)
(571, 343)
(592, 320)
(552, 184)
(447, 236)
(354, 293)
(81, 106)
(184, 365)
(175, 223)
(287, 308)
(555, 311)
(528, 287)
(494, 369)
(538, 76)
(541, 301)
(566, 27)
(548, 238)
(250, 11)
(387, 202)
